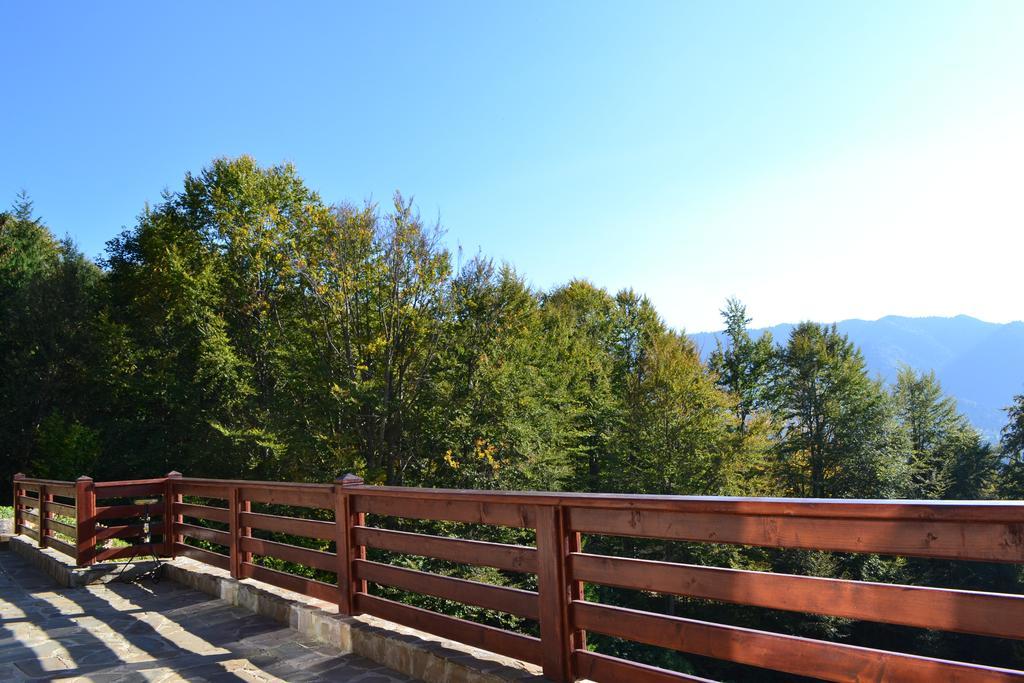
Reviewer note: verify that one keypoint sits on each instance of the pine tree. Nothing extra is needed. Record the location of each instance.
(1011, 484)
(839, 436)
(947, 454)
(745, 367)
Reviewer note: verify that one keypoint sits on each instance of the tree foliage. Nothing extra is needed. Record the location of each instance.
(244, 328)
(838, 434)
(1012, 442)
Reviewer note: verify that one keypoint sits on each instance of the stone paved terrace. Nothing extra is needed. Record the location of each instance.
(152, 632)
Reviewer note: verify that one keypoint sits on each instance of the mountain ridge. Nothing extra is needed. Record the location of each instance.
(979, 363)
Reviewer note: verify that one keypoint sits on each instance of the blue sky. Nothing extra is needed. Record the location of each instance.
(817, 160)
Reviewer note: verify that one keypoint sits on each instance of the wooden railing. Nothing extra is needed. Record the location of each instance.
(219, 516)
(91, 521)
(45, 510)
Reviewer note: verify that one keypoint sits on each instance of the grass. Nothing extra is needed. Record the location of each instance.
(6, 512)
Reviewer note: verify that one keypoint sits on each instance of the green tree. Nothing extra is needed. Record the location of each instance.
(51, 347)
(746, 370)
(204, 292)
(580, 322)
(948, 458)
(380, 297)
(674, 430)
(500, 410)
(1011, 484)
(839, 437)
(27, 250)
(745, 367)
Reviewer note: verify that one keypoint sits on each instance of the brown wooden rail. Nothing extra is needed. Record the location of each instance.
(91, 521)
(214, 521)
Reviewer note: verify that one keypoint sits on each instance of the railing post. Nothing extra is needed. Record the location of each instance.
(574, 539)
(344, 520)
(16, 493)
(234, 531)
(170, 518)
(85, 521)
(243, 531)
(554, 593)
(42, 516)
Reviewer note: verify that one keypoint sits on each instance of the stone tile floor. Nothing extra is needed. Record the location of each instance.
(152, 632)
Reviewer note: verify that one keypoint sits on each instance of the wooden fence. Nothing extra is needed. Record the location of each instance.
(222, 516)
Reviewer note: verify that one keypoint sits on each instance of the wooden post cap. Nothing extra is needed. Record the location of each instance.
(84, 478)
(19, 475)
(349, 480)
(174, 474)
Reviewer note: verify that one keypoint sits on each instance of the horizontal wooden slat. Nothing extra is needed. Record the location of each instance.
(202, 555)
(606, 669)
(932, 510)
(291, 582)
(510, 600)
(299, 497)
(28, 487)
(290, 553)
(62, 489)
(202, 512)
(103, 487)
(30, 532)
(946, 540)
(31, 516)
(202, 490)
(118, 490)
(990, 614)
(790, 654)
(127, 531)
(60, 508)
(516, 558)
(452, 510)
(526, 648)
(123, 483)
(311, 528)
(295, 485)
(203, 533)
(61, 546)
(66, 529)
(29, 502)
(125, 511)
(929, 510)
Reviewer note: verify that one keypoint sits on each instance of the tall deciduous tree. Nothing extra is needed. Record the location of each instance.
(204, 290)
(646, 413)
(381, 285)
(673, 434)
(500, 410)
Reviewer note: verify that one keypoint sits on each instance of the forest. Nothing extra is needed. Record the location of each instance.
(244, 328)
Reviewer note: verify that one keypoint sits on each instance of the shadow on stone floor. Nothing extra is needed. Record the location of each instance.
(165, 632)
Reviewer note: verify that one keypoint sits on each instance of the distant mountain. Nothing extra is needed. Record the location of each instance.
(980, 363)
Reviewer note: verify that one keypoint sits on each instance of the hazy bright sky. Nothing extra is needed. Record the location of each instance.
(819, 160)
